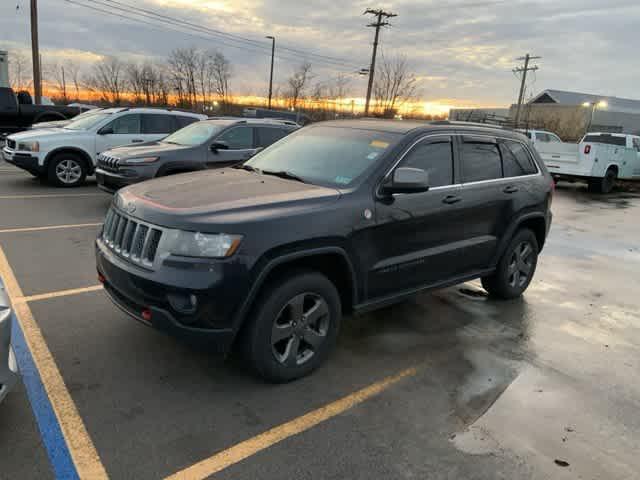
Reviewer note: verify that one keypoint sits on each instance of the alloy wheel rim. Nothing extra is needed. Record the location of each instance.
(520, 265)
(68, 171)
(300, 329)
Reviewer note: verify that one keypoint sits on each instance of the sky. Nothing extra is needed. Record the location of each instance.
(462, 51)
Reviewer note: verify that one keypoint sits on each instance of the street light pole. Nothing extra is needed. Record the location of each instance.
(273, 51)
(594, 106)
(35, 53)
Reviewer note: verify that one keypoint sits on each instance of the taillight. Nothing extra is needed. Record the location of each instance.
(587, 149)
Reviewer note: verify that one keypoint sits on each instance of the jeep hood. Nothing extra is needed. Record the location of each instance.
(204, 201)
(150, 148)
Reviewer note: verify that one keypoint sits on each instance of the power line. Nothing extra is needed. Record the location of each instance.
(232, 35)
(239, 41)
(379, 23)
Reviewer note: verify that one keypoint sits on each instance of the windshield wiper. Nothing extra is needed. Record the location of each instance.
(284, 174)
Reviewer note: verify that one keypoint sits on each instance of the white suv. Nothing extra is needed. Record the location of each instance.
(67, 155)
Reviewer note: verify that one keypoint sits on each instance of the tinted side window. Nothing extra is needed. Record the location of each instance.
(183, 120)
(269, 135)
(435, 158)
(238, 138)
(636, 144)
(157, 123)
(516, 160)
(480, 161)
(554, 138)
(126, 125)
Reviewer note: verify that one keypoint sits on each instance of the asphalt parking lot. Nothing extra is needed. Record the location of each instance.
(447, 385)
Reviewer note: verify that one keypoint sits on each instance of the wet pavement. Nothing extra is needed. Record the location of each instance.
(541, 387)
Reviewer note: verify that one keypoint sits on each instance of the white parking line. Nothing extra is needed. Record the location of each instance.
(51, 227)
(51, 195)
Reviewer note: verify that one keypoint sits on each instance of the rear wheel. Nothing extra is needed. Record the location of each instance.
(293, 327)
(604, 184)
(67, 170)
(516, 267)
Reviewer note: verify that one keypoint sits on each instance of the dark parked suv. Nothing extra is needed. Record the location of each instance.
(214, 143)
(338, 217)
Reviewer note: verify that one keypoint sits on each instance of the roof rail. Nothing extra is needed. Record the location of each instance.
(474, 124)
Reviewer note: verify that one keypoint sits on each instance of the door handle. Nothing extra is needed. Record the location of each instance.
(137, 140)
(451, 199)
(510, 189)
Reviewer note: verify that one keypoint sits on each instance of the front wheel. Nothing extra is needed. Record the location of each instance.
(516, 267)
(294, 327)
(67, 170)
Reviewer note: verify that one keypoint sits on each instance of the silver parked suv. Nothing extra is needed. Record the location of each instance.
(214, 143)
(8, 365)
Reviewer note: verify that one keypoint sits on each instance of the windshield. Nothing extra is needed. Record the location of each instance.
(325, 155)
(87, 122)
(195, 134)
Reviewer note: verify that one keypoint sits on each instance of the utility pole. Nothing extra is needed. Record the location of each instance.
(524, 69)
(380, 14)
(273, 51)
(35, 52)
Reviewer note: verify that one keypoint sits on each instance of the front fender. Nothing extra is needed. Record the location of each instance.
(267, 265)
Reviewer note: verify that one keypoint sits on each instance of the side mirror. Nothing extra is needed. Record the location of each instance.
(407, 180)
(106, 131)
(219, 145)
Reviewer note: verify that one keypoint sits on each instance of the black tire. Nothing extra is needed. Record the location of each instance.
(274, 316)
(516, 268)
(67, 170)
(604, 184)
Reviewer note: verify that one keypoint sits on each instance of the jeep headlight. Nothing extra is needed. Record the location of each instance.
(196, 244)
(28, 147)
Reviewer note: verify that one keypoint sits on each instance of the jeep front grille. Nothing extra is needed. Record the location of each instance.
(108, 162)
(131, 239)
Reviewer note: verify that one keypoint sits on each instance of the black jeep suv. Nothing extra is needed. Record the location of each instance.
(338, 217)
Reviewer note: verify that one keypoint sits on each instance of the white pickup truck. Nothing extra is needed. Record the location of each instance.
(599, 159)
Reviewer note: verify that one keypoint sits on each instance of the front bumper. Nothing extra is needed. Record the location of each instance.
(8, 365)
(111, 182)
(135, 290)
(23, 160)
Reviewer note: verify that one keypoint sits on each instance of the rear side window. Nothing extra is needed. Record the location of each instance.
(480, 161)
(516, 160)
(269, 135)
(435, 158)
(183, 120)
(126, 125)
(636, 144)
(7, 99)
(238, 138)
(157, 123)
(606, 139)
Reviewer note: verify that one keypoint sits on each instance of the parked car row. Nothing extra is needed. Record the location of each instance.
(310, 223)
(152, 142)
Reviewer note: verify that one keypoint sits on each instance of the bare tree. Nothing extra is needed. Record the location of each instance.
(182, 64)
(107, 77)
(19, 71)
(58, 73)
(135, 78)
(298, 82)
(72, 71)
(220, 74)
(394, 84)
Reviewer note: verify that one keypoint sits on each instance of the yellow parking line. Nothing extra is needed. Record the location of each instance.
(59, 293)
(50, 227)
(51, 195)
(250, 447)
(83, 452)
